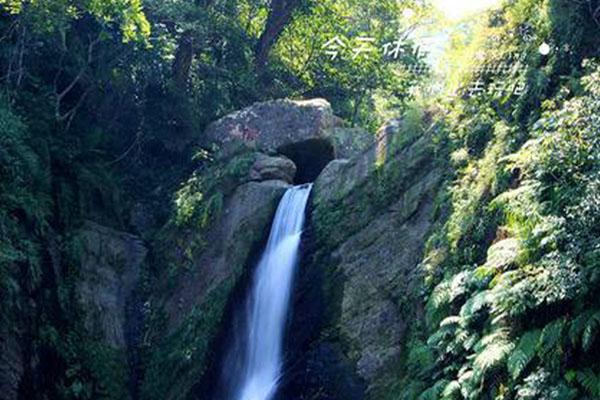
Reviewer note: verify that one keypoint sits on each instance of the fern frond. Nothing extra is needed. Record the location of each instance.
(523, 353)
(577, 326)
(451, 391)
(434, 392)
(552, 336)
(451, 321)
(493, 350)
(590, 331)
(420, 356)
(474, 306)
(584, 328)
(438, 300)
(589, 381)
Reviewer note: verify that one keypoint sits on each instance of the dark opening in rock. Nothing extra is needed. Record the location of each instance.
(310, 157)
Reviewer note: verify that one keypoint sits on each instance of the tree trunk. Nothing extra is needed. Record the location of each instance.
(184, 55)
(280, 15)
(183, 59)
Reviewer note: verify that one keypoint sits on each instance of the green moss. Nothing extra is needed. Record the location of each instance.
(93, 369)
(347, 213)
(197, 205)
(200, 199)
(176, 361)
(109, 368)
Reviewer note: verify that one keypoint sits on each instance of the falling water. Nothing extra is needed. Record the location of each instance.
(260, 358)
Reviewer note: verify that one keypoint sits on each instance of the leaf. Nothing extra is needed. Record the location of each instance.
(590, 331)
(577, 326)
(551, 336)
(451, 391)
(523, 353)
(590, 381)
(494, 349)
(434, 392)
(420, 356)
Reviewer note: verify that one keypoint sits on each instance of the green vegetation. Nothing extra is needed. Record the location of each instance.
(510, 273)
(102, 108)
(180, 357)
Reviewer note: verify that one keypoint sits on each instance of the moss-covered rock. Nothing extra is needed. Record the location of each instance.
(369, 223)
(349, 142)
(185, 315)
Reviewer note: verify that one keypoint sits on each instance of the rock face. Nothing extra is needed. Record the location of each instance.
(352, 306)
(244, 223)
(350, 142)
(271, 125)
(193, 304)
(267, 168)
(306, 132)
(371, 213)
(110, 270)
(289, 142)
(380, 263)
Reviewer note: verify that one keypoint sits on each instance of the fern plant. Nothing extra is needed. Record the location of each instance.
(522, 355)
(588, 379)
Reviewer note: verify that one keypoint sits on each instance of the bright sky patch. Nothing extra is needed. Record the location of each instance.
(457, 9)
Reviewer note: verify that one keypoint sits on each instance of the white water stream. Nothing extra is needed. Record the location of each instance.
(260, 369)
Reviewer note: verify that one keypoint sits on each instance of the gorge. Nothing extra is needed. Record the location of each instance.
(281, 200)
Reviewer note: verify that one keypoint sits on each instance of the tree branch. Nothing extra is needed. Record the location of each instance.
(280, 15)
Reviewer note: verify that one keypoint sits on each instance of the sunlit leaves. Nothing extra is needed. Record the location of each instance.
(537, 312)
(336, 50)
(492, 351)
(12, 6)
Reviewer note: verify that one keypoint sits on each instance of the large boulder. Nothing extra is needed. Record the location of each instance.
(268, 168)
(340, 178)
(271, 125)
(110, 269)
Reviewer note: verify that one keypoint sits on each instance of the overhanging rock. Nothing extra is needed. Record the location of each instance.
(271, 125)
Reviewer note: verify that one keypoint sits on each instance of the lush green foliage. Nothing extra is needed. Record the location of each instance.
(511, 274)
(323, 49)
(24, 209)
(101, 110)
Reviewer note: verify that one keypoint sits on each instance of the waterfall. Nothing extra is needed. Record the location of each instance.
(258, 362)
